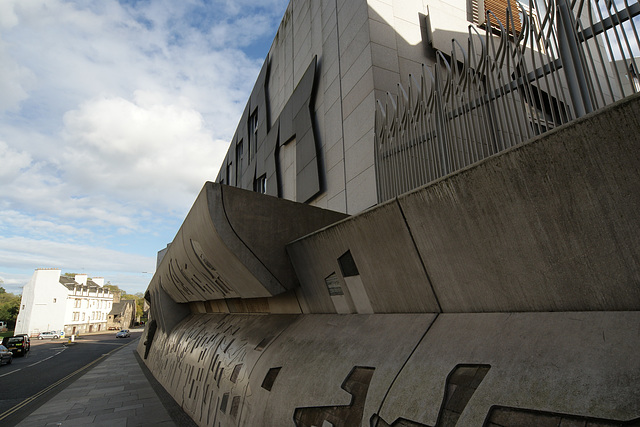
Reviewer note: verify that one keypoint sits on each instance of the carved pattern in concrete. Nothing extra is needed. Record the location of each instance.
(461, 384)
(357, 384)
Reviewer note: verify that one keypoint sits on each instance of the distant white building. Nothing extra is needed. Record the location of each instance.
(54, 302)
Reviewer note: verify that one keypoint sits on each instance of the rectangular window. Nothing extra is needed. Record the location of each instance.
(83, 317)
(260, 185)
(239, 160)
(253, 134)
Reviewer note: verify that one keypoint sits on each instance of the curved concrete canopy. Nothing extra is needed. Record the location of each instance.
(232, 245)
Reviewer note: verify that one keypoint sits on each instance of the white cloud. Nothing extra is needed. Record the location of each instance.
(112, 116)
(13, 162)
(39, 227)
(144, 150)
(15, 80)
(24, 252)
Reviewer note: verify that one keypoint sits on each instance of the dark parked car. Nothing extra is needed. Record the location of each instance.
(5, 355)
(123, 334)
(19, 344)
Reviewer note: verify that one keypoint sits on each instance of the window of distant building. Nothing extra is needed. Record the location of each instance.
(228, 174)
(253, 133)
(239, 160)
(260, 184)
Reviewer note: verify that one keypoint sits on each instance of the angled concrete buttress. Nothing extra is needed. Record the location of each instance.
(231, 245)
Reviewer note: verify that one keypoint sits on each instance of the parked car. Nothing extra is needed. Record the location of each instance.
(51, 334)
(5, 355)
(123, 334)
(18, 344)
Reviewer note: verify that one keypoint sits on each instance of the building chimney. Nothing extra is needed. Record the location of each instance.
(81, 278)
(98, 281)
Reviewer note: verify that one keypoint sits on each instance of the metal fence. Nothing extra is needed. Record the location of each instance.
(549, 63)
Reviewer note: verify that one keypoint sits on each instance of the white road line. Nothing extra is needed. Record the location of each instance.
(9, 373)
(40, 361)
(33, 364)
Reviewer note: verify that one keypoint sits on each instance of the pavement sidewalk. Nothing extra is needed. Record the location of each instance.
(116, 392)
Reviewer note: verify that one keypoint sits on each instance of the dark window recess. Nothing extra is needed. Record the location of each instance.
(223, 404)
(235, 405)
(348, 265)
(270, 378)
(235, 373)
(333, 285)
(262, 344)
(239, 161)
(219, 377)
(260, 184)
(253, 125)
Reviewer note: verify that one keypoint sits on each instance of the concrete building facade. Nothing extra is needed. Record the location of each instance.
(502, 294)
(51, 301)
(307, 131)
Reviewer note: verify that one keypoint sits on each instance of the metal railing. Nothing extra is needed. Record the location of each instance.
(517, 80)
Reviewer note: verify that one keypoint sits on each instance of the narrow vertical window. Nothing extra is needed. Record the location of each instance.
(239, 159)
(253, 133)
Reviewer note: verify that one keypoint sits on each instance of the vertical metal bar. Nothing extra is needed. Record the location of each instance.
(571, 60)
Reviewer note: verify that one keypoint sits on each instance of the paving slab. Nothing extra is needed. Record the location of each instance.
(116, 392)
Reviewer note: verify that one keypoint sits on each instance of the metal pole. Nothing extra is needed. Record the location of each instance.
(570, 55)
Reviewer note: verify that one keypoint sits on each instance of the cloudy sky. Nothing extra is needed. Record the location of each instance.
(113, 114)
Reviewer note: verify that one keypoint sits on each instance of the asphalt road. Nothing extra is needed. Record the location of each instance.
(49, 367)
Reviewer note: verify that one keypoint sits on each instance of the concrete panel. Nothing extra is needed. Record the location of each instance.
(361, 191)
(385, 57)
(205, 364)
(359, 156)
(358, 94)
(315, 356)
(385, 80)
(353, 74)
(391, 272)
(348, 11)
(359, 124)
(381, 32)
(232, 244)
(551, 225)
(332, 132)
(408, 9)
(576, 364)
(355, 37)
(381, 11)
(337, 203)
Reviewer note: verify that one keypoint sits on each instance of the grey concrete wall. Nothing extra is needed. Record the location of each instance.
(423, 369)
(232, 245)
(551, 225)
(384, 254)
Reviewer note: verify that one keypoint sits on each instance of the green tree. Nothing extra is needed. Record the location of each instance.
(9, 308)
(115, 289)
